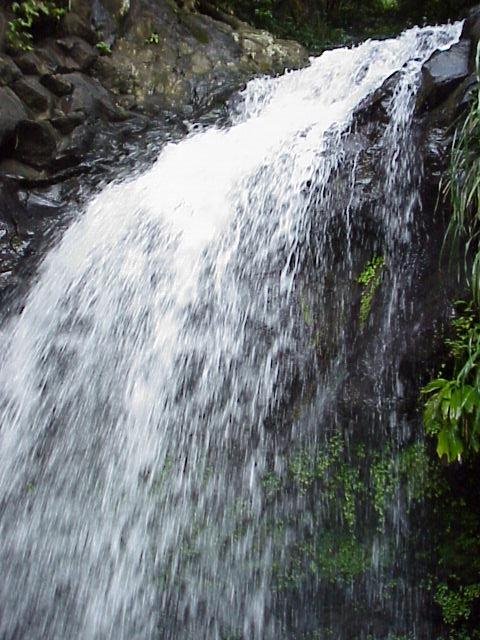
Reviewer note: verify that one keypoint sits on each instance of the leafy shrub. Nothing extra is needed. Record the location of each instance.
(153, 38)
(452, 408)
(456, 604)
(370, 279)
(104, 48)
(19, 34)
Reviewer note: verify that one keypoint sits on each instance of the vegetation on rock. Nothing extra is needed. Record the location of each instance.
(452, 407)
(452, 401)
(370, 279)
(28, 13)
(322, 23)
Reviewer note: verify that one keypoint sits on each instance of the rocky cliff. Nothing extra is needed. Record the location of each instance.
(95, 82)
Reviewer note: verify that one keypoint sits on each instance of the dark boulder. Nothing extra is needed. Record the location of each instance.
(72, 148)
(3, 31)
(91, 97)
(57, 84)
(57, 60)
(36, 142)
(33, 94)
(32, 64)
(9, 71)
(471, 27)
(67, 123)
(14, 169)
(79, 51)
(12, 111)
(443, 72)
(76, 25)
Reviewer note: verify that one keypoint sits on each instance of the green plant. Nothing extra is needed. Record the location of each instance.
(19, 33)
(369, 279)
(456, 604)
(384, 482)
(462, 187)
(452, 407)
(271, 484)
(153, 38)
(104, 48)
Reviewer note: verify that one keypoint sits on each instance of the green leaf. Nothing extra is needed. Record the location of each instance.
(449, 445)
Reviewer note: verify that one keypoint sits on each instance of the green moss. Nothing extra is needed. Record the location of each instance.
(271, 483)
(305, 466)
(337, 558)
(384, 482)
(351, 487)
(369, 280)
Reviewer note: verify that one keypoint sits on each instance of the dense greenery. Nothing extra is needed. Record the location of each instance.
(322, 23)
(452, 410)
(28, 15)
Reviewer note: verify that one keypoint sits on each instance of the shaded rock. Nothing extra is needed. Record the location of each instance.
(72, 148)
(79, 50)
(17, 170)
(56, 58)
(3, 31)
(57, 84)
(456, 103)
(471, 28)
(67, 123)
(75, 25)
(90, 97)
(31, 64)
(9, 72)
(443, 72)
(36, 142)
(12, 111)
(33, 94)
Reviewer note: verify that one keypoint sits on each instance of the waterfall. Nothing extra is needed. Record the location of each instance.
(160, 382)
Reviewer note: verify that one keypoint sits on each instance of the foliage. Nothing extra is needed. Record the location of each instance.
(104, 48)
(370, 279)
(337, 558)
(452, 401)
(456, 604)
(462, 186)
(384, 484)
(28, 12)
(153, 38)
(320, 24)
(452, 408)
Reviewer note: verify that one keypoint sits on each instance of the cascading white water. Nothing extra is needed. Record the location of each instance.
(137, 380)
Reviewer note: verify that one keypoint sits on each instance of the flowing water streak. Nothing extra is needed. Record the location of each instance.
(157, 341)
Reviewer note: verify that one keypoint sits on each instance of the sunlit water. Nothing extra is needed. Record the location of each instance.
(156, 345)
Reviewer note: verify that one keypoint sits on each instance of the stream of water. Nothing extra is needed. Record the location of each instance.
(159, 345)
